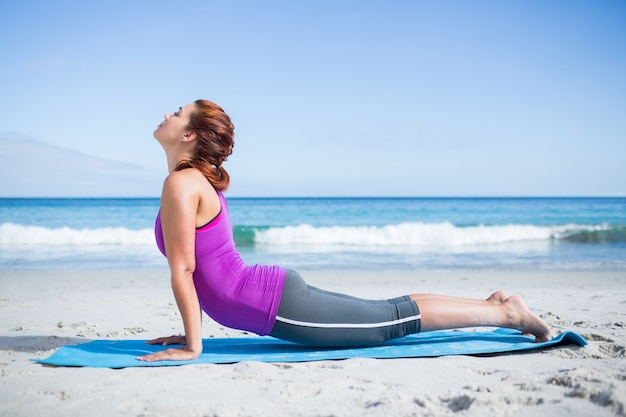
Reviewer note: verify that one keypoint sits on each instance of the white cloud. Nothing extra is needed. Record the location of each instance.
(31, 168)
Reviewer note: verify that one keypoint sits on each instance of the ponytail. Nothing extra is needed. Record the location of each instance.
(215, 139)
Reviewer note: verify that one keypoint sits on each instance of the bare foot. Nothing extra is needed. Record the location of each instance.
(498, 297)
(521, 318)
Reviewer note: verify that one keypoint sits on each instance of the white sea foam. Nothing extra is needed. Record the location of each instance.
(414, 234)
(14, 234)
(406, 245)
(404, 234)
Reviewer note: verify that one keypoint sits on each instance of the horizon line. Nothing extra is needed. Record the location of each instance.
(512, 196)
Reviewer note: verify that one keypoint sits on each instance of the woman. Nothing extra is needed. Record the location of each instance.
(194, 232)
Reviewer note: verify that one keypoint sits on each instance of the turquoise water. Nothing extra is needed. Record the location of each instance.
(336, 233)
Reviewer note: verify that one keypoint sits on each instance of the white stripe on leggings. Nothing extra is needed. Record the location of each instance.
(348, 325)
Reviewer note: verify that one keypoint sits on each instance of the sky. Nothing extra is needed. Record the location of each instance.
(329, 98)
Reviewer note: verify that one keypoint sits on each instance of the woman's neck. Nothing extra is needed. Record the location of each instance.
(173, 159)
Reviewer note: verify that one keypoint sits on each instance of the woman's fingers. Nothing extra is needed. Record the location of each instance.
(178, 354)
(168, 340)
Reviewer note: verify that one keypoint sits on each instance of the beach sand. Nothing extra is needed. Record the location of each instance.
(43, 310)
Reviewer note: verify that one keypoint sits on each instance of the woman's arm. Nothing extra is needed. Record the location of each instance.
(179, 206)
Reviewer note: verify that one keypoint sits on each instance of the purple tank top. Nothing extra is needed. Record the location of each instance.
(232, 293)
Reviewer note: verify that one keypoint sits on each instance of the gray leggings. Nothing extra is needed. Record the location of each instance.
(311, 316)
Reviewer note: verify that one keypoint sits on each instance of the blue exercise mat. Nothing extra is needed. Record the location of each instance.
(123, 353)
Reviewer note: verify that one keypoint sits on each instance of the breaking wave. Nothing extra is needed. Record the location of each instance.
(403, 234)
(15, 234)
(436, 235)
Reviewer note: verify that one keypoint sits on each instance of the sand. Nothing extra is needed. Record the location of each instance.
(43, 310)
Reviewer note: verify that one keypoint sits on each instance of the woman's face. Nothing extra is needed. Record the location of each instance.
(174, 125)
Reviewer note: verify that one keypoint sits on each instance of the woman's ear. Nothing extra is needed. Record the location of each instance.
(189, 136)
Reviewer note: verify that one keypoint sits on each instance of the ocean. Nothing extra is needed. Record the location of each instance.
(330, 233)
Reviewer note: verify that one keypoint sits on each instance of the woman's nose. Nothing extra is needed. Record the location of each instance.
(166, 116)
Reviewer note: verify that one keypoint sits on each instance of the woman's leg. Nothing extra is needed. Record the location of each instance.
(497, 297)
(442, 312)
(312, 316)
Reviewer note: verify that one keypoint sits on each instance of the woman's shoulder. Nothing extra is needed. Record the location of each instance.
(186, 181)
(188, 184)
(186, 177)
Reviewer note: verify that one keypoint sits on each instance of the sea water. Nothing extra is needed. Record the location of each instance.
(330, 233)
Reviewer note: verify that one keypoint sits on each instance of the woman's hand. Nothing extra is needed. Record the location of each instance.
(168, 340)
(174, 354)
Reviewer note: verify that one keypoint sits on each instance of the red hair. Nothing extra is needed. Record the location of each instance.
(215, 138)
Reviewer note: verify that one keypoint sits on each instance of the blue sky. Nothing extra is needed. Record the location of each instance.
(329, 98)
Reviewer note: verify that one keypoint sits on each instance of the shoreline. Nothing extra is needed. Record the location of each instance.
(43, 310)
